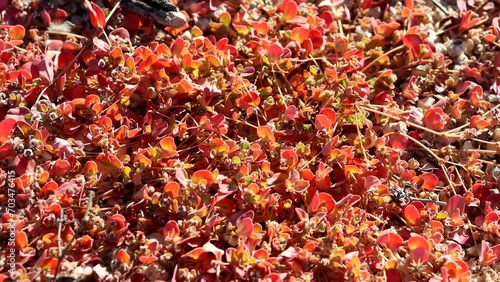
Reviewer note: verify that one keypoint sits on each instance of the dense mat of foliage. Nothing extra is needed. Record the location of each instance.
(264, 140)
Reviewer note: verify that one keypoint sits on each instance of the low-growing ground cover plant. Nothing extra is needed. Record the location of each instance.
(263, 140)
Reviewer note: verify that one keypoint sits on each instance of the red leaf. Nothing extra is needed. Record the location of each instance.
(291, 113)
(322, 199)
(435, 119)
(6, 126)
(412, 215)
(420, 255)
(429, 180)
(478, 122)
(46, 19)
(290, 157)
(3, 4)
(322, 122)
(43, 68)
(476, 95)
(316, 38)
(97, 17)
(392, 240)
(290, 10)
(274, 52)
(412, 42)
(466, 22)
(24, 165)
(60, 168)
(244, 228)
(332, 116)
(455, 203)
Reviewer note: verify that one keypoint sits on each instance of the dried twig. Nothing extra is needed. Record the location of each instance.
(78, 232)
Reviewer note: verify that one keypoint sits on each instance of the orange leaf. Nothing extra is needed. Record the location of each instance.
(172, 188)
(148, 259)
(49, 263)
(123, 257)
(352, 169)
(56, 209)
(171, 229)
(108, 164)
(213, 60)
(49, 188)
(260, 27)
(409, 4)
(203, 177)
(290, 10)
(225, 19)
(184, 86)
(490, 38)
(299, 34)
(416, 242)
(90, 169)
(265, 133)
(479, 123)
(196, 253)
(168, 143)
(17, 32)
(21, 240)
(143, 160)
(290, 157)
(429, 180)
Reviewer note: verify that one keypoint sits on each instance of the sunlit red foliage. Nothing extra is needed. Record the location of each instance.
(262, 141)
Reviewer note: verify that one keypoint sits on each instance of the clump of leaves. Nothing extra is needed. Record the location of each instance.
(282, 141)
